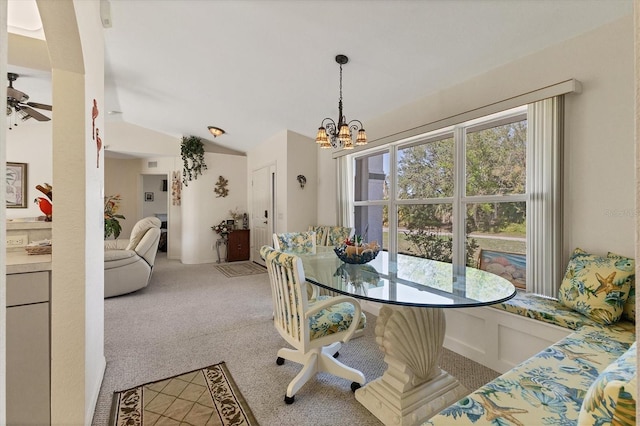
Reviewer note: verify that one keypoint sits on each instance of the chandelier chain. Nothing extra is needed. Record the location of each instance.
(340, 83)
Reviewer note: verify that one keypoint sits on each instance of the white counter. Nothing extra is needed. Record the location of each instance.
(21, 262)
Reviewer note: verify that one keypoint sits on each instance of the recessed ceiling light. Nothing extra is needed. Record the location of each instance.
(216, 131)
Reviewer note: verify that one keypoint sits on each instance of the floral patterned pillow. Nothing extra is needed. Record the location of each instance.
(596, 286)
(629, 309)
(611, 399)
(296, 242)
(337, 234)
(321, 234)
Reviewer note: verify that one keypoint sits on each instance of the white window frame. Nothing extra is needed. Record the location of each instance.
(542, 193)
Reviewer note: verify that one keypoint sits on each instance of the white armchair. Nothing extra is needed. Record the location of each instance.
(128, 264)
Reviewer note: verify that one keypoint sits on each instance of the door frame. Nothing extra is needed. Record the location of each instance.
(272, 211)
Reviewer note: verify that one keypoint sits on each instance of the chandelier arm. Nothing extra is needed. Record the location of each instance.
(354, 126)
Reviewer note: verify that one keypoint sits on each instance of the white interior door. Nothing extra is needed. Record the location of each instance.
(262, 210)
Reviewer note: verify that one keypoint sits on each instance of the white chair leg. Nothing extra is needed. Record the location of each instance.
(308, 371)
(332, 349)
(332, 366)
(293, 355)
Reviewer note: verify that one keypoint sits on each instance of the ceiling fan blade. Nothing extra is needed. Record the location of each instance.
(40, 106)
(17, 95)
(35, 114)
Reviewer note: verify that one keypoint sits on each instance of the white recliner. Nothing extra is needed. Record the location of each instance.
(128, 264)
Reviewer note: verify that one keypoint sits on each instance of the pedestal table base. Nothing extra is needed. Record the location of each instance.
(413, 388)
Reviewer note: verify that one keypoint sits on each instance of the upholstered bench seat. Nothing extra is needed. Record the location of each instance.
(545, 309)
(548, 388)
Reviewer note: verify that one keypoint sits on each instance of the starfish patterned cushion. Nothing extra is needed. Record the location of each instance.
(611, 399)
(629, 309)
(596, 286)
(548, 388)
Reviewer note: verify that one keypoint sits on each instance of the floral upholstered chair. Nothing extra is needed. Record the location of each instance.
(337, 234)
(316, 328)
(295, 242)
(321, 234)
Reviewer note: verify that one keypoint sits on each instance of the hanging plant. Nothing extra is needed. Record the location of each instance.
(192, 151)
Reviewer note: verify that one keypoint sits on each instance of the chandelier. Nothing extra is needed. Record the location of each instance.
(332, 135)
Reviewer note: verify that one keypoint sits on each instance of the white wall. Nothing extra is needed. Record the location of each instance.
(599, 130)
(301, 202)
(132, 139)
(31, 142)
(77, 291)
(202, 208)
(153, 184)
(3, 230)
(121, 178)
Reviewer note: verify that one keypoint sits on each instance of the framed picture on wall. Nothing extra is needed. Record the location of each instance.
(148, 196)
(16, 192)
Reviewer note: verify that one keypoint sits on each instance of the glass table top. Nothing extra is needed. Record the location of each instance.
(408, 281)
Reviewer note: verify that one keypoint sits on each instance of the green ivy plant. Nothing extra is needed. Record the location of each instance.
(192, 151)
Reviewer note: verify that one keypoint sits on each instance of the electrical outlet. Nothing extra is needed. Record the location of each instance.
(17, 241)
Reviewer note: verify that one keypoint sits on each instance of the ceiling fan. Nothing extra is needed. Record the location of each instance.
(18, 101)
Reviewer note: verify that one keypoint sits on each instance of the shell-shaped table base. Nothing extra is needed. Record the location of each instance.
(413, 388)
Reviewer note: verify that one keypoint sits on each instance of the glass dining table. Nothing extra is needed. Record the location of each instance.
(410, 328)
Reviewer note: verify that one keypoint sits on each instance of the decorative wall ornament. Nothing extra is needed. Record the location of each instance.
(95, 132)
(192, 151)
(302, 181)
(221, 187)
(176, 188)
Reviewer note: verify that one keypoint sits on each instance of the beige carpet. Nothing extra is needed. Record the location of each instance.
(208, 396)
(240, 269)
(190, 316)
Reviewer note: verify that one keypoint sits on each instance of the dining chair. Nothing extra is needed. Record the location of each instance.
(295, 242)
(321, 234)
(316, 328)
(337, 234)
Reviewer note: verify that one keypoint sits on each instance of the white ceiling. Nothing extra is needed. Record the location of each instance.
(258, 67)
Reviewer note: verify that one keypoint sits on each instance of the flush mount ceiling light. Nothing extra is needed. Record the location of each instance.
(332, 135)
(216, 131)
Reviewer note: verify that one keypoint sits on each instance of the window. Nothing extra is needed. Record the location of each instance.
(469, 194)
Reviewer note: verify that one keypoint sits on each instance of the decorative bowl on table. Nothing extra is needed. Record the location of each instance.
(357, 254)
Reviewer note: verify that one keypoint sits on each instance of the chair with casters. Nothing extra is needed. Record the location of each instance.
(128, 264)
(316, 328)
(295, 242)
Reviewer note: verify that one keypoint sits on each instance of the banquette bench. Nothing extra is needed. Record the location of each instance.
(588, 377)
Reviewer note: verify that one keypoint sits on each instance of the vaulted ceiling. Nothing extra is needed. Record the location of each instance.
(257, 67)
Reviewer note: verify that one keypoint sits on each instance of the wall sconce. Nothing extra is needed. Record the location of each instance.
(302, 180)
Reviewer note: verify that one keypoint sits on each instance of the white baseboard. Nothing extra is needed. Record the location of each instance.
(95, 392)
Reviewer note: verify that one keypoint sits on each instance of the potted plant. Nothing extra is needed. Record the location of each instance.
(192, 151)
(111, 223)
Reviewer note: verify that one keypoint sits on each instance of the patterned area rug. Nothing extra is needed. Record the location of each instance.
(202, 397)
(239, 269)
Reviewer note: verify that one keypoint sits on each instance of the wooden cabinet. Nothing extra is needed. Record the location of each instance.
(238, 245)
(28, 340)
